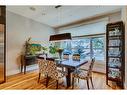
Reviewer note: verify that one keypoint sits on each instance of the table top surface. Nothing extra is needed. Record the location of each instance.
(69, 63)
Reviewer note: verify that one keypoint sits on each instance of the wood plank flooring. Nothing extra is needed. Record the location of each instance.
(28, 81)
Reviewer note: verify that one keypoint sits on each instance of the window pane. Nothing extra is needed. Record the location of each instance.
(66, 45)
(82, 47)
(85, 47)
(98, 48)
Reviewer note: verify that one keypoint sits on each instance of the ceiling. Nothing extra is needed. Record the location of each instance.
(63, 15)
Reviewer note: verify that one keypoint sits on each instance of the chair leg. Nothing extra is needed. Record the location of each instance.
(88, 83)
(57, 83)
(47, 81)
(39, 77)
(62, 69)
(73, 83)
(78, 80)
(91, 82)
(21, 67)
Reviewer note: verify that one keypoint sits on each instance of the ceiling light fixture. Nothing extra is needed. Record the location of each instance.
(57, 37)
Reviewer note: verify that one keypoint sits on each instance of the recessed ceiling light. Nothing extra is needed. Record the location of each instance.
(32, 8)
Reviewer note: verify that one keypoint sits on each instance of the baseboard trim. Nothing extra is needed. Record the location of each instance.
(12, 72)
(99, 72)
(16, 71)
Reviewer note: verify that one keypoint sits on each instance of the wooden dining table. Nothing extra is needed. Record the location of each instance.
(70, 66)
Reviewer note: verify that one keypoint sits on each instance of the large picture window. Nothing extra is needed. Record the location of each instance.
(87, 47)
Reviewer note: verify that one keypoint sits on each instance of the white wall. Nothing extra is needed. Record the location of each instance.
(115, 17)
(19, 29)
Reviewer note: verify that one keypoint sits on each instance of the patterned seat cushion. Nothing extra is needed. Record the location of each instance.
(42, 66)
(47, 67)
(82, 74)
(53, 72)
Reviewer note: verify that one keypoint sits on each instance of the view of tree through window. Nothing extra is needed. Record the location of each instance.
(98, 48)
(86, 47)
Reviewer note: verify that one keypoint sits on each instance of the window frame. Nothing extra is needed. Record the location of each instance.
(91, 47)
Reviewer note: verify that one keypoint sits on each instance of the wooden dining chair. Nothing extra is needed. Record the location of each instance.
(65, 56)
(53, 72)
(42, 67)
(84, 74)
(76, 57)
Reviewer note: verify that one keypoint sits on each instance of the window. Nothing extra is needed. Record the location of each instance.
(98, 48)
(82, 47)
(86, 47)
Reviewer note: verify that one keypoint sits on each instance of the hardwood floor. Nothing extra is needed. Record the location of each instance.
(28, 81)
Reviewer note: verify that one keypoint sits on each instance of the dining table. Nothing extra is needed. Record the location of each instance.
(70, 65)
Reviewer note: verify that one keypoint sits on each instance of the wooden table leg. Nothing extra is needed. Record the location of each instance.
(24, 68)
(68, 78)
(21, 67)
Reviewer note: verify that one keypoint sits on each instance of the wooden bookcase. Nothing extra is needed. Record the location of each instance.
(115, 53)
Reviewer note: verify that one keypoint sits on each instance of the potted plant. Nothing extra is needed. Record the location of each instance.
(53, 50)
(45, 49)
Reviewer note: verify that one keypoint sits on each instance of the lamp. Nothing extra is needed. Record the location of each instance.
(64, 36)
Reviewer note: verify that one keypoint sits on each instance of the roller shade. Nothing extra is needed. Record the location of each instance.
(86, 29)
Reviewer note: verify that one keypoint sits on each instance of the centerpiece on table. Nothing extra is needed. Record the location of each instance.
(45, 49)
(53, 49)
(60, 51)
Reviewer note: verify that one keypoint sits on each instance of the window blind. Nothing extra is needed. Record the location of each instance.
(86, 29)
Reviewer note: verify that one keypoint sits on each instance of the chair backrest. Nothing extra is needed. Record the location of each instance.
(39, 57)
(42, 65)
(65, 56)
(76, 57)
(91, 67)
(50, 59)
(52, 69)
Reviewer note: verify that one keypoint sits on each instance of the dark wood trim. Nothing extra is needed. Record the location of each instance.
(5, 44)
(3, 15)
(109, 27)
(3, 21)
(27, 60)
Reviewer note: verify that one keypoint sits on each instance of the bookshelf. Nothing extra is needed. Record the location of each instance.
(115, 54)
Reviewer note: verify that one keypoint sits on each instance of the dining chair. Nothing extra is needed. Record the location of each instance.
(42, 67)
(53, 72)
(65, 56)
(76, 57)
(84, 74)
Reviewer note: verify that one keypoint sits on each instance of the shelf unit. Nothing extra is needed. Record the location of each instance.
(115, 54)
(2, 44)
